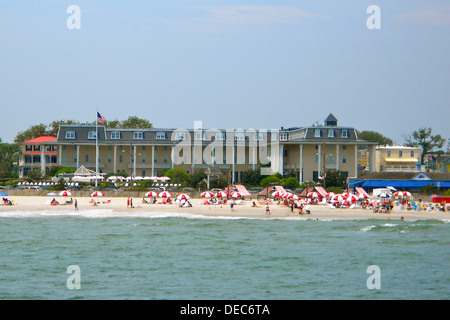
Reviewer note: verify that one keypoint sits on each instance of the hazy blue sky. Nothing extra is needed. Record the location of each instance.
(231, 64)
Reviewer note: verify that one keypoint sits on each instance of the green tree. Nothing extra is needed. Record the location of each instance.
(134, 122)
(32, 132)
(178, 175)
(251, 177)
(424, 139)
(335, 178)
(8, 157)
(374, 136)
(270, 180)
(290, 183)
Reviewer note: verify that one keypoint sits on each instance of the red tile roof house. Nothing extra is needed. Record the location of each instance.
(38, 153)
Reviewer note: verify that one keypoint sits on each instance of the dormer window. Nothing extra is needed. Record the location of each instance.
(160, 136)
(330, 133)
(138, 135)
(283, 136)
(115, 135)
(344, 133)
(92, 135)
(317, 133)
(70, 135)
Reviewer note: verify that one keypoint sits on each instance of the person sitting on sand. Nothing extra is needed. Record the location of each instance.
(254, 204)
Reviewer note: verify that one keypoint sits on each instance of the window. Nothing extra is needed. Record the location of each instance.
(160, 136)
(400, 153)
(115, 135)
(109, 158)
(220, 136)
(330, 159)
(283, 136)
(92, 135)
(143, 159)
(389, 153)
(155, 159)
(86, 158)
(316, 158)
(198, 136)
(345, 133)
(239, 136)
(274, 136)
(317, 133)
(165, 159)
(330, 133)
(70, 135)
(412, 153)
(180, 135)
(259, 136)
(120, 158)
(139, 135)
(344, 158)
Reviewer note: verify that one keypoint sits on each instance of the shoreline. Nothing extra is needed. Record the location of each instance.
(118, 207)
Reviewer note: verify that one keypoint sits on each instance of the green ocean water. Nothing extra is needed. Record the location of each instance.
(178, 257)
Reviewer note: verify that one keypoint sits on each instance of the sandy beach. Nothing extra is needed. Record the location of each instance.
(117, 206)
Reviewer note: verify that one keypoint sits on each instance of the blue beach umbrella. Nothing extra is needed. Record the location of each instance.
(3, 194)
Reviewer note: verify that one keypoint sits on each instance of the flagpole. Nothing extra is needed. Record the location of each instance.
(96, 148)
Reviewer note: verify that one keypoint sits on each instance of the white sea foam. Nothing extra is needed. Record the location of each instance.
(368, 228)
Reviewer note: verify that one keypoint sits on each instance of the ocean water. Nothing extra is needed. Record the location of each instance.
(168, 256)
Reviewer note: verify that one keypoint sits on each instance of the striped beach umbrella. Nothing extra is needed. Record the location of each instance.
(337, 198)
(65, 193)
(363, 196)
(236, 195)
(352, 198)
(207, 194)
(277, 194)
(165, 194)
(183, 196)
(221, 194)
(97, 194)
(313, 195)
(330, 194)
(151, 194)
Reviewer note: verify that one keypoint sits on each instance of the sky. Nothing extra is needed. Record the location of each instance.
(230, 64)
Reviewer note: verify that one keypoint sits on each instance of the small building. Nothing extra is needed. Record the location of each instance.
(38, 153)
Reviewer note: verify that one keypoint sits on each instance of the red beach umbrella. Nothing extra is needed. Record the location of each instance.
(236, 195)
(97, 194)
(207, 194)
(221, 194)
(312, 195)
(65, 193)
(165, 194)
(152, 194)
(183, 196)
(277, 194)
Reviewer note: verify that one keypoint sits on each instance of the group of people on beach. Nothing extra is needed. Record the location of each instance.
(7, 202)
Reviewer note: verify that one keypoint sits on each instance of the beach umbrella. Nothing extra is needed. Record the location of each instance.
(286, 195)
(3, 194)
(407, 194)
(236, 195)
(221, 194)
(97, 194)
(352, 198)
(312, 195)
(207, 194)
(292, 196)
(51, 194)
(330, 194)
(183, 196)
(165, 194)
(277, 194)
(363, 196)
(337, 198)
(152, 194)
(65, 193)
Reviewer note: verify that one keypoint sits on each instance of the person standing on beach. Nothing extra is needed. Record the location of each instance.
(232, 205)
(76, 204)
(267, 209)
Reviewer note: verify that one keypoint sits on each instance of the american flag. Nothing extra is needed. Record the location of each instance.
(100, 119)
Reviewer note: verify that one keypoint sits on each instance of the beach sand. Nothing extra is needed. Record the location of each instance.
(118, 207)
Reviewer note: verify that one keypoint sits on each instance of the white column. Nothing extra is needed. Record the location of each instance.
(134, 161)
(78, 156)
(337, 157)
(319, 156)
(232, 176)
(60, 155)
(42, 160)
(356, 161)
(153, 161)
(301, 165)
(115, 160)
(281, 169)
